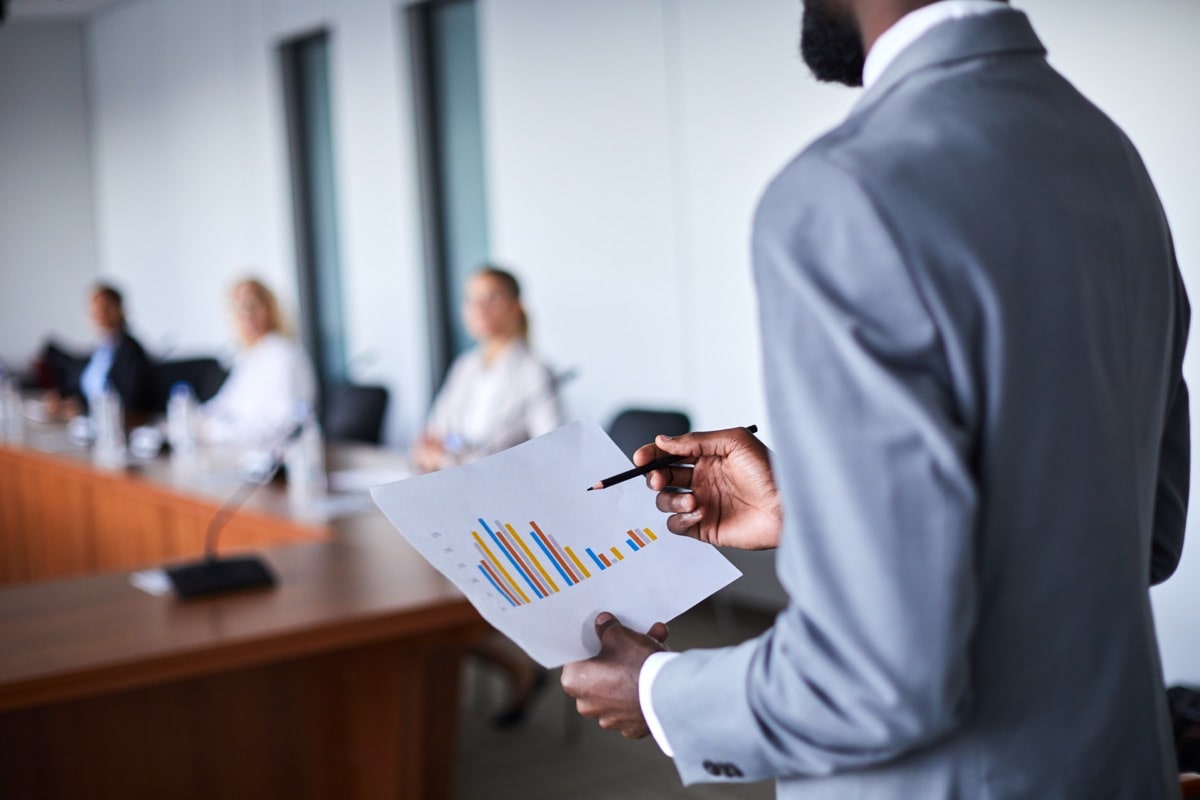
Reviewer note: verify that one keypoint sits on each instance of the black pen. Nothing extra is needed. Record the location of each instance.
(658, 463)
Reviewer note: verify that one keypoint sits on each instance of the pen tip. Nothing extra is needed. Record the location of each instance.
(591, 488)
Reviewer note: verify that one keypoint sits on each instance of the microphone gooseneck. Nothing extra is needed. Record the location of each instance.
(212, 575)
(235, 501)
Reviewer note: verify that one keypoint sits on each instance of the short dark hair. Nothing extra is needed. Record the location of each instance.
(109, 293)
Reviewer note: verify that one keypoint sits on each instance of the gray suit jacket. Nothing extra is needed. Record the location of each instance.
(973, 328)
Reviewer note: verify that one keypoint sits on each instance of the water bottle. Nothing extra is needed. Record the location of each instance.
(181, 420)
(3, 402)
(12, 414)
(305, 460)
(108, 421)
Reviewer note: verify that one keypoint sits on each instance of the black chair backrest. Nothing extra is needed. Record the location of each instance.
(635, 427)
(204, 375)
(354, 413)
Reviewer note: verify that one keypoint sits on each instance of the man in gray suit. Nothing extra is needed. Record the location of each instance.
(973, 327)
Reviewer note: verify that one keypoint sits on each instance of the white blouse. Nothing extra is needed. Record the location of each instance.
(270, 385)
(485, 408)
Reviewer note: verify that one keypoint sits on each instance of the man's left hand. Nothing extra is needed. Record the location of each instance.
(606, 685)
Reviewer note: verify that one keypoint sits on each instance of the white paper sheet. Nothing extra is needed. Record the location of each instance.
(541, 582)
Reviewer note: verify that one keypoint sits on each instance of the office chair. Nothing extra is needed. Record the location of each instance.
(354, 413)
(635, 427)
(204, 375)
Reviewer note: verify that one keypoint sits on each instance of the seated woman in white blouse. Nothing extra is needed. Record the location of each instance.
(271, 383)
(497, 394)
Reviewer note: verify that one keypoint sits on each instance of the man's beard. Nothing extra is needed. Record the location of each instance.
(831, 44)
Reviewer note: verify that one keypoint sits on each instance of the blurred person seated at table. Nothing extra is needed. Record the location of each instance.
(496, 395)
(270, 383)
(119, 361)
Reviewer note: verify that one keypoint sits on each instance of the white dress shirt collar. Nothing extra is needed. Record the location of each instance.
(913, 25)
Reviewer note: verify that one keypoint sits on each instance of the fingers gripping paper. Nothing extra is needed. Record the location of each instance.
(539, 556)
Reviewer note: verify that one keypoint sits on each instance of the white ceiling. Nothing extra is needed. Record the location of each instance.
(55, 10)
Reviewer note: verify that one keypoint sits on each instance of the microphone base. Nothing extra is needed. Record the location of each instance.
(219, 575)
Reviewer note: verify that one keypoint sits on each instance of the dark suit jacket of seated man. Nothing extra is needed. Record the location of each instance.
(128, 371)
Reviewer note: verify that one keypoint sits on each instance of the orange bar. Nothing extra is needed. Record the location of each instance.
(636, 538)
(507, 585)
(650, 533)
(532, 557)
(617, 553)
(554, 552)
(604, 558)
(555, 548)
(508, 592)
(517, 556)
(488, 552)
(507, 582)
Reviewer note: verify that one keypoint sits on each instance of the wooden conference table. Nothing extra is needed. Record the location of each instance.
(340, 682)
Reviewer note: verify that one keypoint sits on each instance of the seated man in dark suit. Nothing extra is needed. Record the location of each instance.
(119, 361)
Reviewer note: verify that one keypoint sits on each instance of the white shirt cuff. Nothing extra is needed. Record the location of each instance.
(650, 669)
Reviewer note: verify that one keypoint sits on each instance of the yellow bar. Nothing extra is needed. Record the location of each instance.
(617, 553)
(578, 563)
(650, 533)
(529, 554)
(499, 566)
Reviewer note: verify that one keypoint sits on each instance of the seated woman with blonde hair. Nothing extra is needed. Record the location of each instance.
(271, 382)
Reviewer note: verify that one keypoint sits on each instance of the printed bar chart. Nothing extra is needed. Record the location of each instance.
(531, 555)
(526, 567)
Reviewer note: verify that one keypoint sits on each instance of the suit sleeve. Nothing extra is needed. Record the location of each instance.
(1174, 470)
(870, 658)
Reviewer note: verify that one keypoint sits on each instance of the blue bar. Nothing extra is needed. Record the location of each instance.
(516, 564)
(498, 589)
(599, 563)
(553, 560)
(632, 544)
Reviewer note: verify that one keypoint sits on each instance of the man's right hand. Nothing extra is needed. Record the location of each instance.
(732, 500)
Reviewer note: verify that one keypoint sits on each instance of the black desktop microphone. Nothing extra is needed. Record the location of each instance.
(215, 575)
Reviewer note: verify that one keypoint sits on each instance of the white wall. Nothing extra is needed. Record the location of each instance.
(192, 173)
(188, 182)
(581, 204)
(47, 251)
